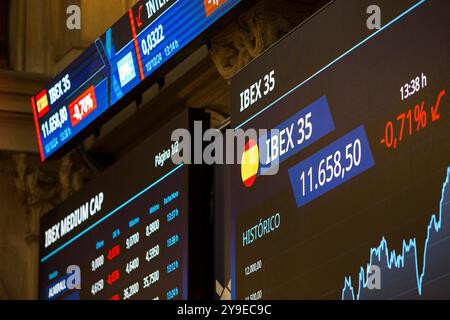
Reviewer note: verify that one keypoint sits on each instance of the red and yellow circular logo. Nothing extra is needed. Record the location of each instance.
(250, 163)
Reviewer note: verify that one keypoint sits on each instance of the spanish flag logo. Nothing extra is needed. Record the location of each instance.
(42, 103)
(250, 163)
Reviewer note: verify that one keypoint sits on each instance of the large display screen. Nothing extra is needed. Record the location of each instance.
(131, 233)
(149, 35)
(359, 208)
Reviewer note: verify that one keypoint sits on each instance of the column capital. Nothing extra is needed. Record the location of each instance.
(253, 32)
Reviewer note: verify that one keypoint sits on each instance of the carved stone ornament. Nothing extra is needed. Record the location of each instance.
(41, 187)
(253, 32)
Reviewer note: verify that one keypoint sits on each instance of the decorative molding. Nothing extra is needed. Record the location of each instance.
(17, 87)
(17, 130)
(41, 187)
(255, 31)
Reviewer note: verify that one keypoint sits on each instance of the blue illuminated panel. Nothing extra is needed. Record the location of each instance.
(296, 134)
(336, 164)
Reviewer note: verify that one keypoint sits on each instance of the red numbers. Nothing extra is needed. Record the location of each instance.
(411, 122)
(82, 106)
(114, 252)
(113, 277)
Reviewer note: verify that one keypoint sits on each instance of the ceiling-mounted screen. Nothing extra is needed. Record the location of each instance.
(133, 49)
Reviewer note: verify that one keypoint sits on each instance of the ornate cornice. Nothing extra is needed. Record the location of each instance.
(253, 32)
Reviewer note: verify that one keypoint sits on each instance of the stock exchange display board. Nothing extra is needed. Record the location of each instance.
(133, 49)
(131, 233)
(359, 208)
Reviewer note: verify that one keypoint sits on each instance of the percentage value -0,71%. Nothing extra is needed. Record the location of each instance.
(411, 122)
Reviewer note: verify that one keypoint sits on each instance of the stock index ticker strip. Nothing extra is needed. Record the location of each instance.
(359, 210)
(143, 40)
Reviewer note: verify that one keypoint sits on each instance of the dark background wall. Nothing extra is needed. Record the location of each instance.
(3, 31)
